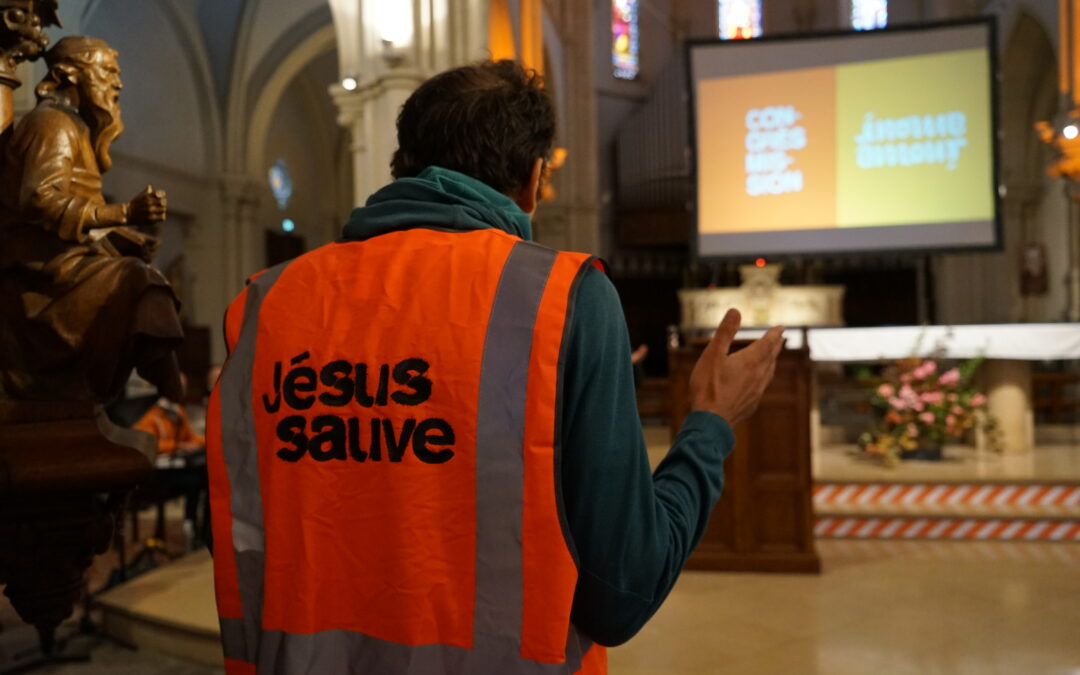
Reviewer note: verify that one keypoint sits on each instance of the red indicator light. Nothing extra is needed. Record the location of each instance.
(760, 262)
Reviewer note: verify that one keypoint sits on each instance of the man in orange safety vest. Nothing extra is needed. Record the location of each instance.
(424, 450)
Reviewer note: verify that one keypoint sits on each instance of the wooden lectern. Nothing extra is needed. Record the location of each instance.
(764, 520)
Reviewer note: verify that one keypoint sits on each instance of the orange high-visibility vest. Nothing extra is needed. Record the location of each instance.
(383, 450)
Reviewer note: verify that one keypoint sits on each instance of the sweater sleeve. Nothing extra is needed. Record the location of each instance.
(632, 529)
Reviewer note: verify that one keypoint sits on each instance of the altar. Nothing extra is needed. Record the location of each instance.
(763, 522)
(1009, 350)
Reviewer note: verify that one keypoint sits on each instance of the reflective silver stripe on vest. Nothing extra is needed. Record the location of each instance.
(241, 638)
(500, 476)
(336, 652)
(500, 444)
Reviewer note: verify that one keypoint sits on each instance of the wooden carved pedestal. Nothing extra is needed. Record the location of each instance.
(764, 520)
(61, 486)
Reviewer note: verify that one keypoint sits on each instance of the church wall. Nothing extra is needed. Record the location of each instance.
(218, 21)
(304, 133)
(271, 21)
(570, 221)
(1051, 222)
(985, 288)
(162, 102)
(662, 24)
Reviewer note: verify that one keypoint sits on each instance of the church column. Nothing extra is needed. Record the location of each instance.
(1061, 133)
(578, 182)
(240, 243)
(350, 105)
(1073, 311)
(369, 112)
(1008, 389)
(385, 50)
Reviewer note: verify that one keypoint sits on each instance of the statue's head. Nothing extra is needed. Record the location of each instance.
(85, 71)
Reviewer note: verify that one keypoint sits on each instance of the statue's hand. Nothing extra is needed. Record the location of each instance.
(149, 206)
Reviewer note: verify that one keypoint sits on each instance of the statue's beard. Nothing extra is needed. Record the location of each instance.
(103, 118)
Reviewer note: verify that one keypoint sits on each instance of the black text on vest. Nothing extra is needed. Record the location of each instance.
(339, 437)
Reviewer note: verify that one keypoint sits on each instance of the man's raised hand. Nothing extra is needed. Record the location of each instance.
(731, 385)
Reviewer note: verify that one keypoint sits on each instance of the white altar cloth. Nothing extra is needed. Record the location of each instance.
(1013, 341)
(1007, 347)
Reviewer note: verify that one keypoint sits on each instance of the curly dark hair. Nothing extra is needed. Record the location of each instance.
(489, 120)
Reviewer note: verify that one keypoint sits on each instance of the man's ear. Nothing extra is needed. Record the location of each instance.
(529, 195)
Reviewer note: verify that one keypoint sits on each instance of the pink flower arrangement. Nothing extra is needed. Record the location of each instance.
(920, 405)
(924, 370)
(933, 397)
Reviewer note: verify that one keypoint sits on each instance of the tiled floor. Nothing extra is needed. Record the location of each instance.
(888, 607)
(892, 607)
(1055, 462)
(879, 607)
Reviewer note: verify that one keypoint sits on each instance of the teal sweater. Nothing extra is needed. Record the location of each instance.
(632, 529)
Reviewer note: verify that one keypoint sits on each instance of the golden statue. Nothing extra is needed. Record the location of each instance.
(80, 305)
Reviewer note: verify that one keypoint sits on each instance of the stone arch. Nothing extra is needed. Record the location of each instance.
(185, 94)
(303, 131)
(1035, 208)
(270, 92)
(256, 67)
(1029, 94)
(985, 288)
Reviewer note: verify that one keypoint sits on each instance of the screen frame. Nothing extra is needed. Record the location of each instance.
(998, 245)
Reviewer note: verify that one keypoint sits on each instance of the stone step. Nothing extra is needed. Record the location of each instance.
(169, 610)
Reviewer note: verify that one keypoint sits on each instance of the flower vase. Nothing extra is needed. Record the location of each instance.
(927, 451)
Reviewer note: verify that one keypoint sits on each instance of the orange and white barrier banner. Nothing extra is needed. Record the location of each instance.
(995, 529)
(945, 494)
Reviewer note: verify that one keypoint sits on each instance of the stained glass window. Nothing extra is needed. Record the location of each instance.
(281, 184)
(739, 19)
(869, 14)
(624, 38)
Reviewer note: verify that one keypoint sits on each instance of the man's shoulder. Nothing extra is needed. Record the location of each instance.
(597, 310)
(597, 288)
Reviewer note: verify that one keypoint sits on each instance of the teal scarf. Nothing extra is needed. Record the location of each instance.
(440, 199)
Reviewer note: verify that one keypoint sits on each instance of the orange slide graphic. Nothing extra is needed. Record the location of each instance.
(774, 135)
